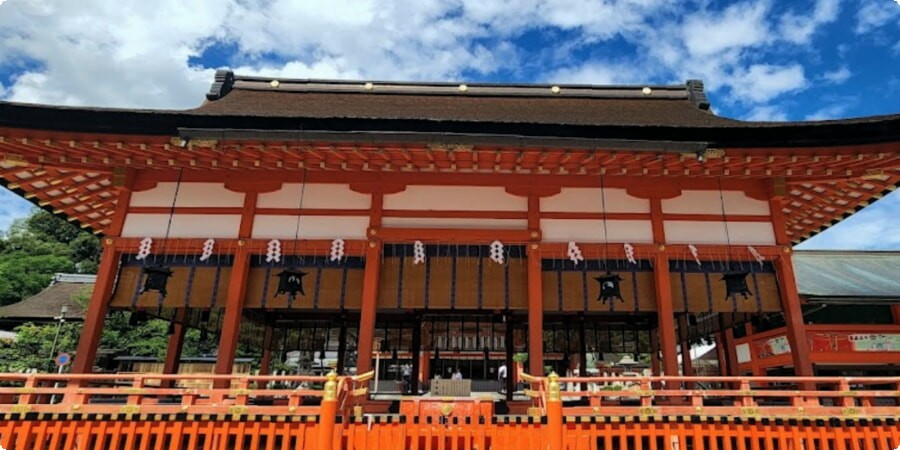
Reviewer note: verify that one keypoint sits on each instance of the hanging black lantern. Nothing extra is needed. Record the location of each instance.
(395, 356)
(204, 335)
(736, 284)
(290, 282)
(437, 354)
(609, 287)
(322, 355)
(156, 278)
(171, 330)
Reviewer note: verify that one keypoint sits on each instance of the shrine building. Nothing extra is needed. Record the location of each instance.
(464, 227)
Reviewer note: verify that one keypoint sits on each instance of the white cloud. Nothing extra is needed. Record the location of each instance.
(14, 207)
(876, 14)
(740, 25)
(597, 72)
(767, 113)
(763, 82)
(875, 227)
(830, 112)
(837, 76)
(114, 54)
(800, 28)
(136, 54)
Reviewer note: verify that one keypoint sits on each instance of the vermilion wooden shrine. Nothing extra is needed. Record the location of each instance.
(476, 221)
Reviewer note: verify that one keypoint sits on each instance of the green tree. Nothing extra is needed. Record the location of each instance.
(37, 247)
(33, 347)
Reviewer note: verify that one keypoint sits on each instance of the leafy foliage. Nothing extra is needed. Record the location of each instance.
(39, 246)
(33, 347)
(31, 252)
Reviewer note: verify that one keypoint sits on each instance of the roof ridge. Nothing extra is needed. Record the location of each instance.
(226, 81)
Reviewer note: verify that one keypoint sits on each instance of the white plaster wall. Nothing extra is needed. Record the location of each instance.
(448, 198)
(562, 230)
(329, 196)
(183, 225)
(190, 195)
(589, 200)
(311, 227)
(422, 222)
(691, 232)
(743, 353)
(708, 202)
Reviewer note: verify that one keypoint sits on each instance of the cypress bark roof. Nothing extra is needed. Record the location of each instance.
(46, 305)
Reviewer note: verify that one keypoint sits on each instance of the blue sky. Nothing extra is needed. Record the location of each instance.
(760, 59)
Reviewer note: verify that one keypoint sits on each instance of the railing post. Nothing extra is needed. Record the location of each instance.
(27, 395)
(327, 413)
(136, 391)
(554, 414)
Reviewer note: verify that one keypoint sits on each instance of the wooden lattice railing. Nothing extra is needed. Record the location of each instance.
(771, 397)
(176, 394)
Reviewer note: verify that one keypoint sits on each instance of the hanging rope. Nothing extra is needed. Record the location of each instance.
(299, 213)
(172, 212)
(603, 212)
(725, 222)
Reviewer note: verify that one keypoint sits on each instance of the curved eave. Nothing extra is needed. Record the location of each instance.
(730, 133)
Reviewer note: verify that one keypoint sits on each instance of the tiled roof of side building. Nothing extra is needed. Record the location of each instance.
(852, 276)
(46, 305)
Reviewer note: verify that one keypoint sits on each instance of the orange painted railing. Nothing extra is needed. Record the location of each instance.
(828, 344)
(793, 397)
(149, 394)
(121, 411)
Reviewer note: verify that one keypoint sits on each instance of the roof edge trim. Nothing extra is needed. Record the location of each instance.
(448, 139)
(224, 82)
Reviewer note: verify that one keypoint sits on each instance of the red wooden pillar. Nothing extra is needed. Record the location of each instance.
(424, 367)
(368, 309)
(97, 308)
(535, 312)
(731, 352)
(895, 312)
(787, 286)
(666, 312)
(793, 315)
(234, 312)
(668, 342)
(722, 354)
(265, 363)
(176, 343)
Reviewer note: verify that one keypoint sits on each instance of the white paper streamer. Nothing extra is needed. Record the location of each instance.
(207, 249)
(273, 251)
(629, 253)
(144, 249)
(497, 252)
(337, 249)
(575, 253)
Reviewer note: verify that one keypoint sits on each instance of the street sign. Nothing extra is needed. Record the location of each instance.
(63, 359)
